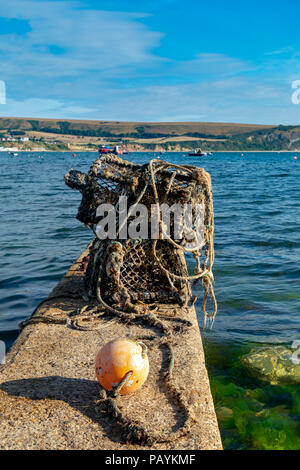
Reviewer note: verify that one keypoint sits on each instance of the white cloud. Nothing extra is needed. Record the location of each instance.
(214, 63)
(46, 108)
(227, 100)
(283, 50)
(107, 60)
(234, 99)
(90, 40)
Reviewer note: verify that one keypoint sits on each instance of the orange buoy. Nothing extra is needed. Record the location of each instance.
(116, 359)
(74, 154)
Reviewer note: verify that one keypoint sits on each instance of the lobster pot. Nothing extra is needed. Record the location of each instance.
(126, 274)
(128, 270)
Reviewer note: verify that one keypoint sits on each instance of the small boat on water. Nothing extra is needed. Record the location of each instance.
(104, 149)
(198, 153)
(117, 150)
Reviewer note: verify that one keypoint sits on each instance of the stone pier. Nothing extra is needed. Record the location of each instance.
(49, 393)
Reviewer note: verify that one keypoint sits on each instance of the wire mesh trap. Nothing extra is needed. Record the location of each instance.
(129, 274)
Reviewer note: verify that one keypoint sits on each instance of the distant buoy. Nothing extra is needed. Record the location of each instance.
(294, 158)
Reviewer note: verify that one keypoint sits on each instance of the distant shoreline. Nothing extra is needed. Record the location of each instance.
(147, 151)
(185, 137)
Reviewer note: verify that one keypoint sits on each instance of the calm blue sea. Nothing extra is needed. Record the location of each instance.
(257, 239)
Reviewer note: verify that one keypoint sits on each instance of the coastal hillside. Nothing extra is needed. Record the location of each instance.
(53, 134)
(135, 129)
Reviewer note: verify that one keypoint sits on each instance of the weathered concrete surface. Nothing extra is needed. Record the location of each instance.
(48, 390)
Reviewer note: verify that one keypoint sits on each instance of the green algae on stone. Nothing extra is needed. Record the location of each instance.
(252, 413)
(274, 429)
(250, 418)
(225, 416)
(272, 364)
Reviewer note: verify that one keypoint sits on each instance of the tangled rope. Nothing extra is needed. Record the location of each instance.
(133, 431)
(204, 272)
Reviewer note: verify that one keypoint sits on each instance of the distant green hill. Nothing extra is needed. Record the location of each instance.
(212, 136)
(134, 129)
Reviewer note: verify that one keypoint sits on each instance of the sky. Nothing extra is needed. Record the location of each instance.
(150, 60)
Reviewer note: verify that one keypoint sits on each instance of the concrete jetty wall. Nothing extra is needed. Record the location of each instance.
(48, 390)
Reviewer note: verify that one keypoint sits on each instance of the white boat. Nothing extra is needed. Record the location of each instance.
(198, 153)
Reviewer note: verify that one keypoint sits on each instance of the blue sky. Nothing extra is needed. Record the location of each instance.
(159, 60)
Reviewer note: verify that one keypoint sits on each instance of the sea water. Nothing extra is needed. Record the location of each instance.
(257, 270)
